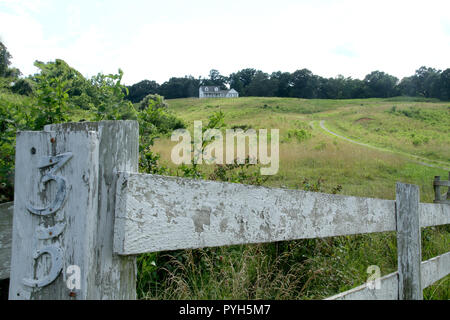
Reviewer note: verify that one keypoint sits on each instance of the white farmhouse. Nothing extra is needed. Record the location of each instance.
(215, 92)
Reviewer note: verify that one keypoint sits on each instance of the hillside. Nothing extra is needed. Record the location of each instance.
(405, 133)
(399, 140)
(352, 147)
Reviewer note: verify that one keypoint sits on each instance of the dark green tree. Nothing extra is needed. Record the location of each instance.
(304, 84)
(241, 80)
(380, 84)
(445, 85)
(215, 79)
(180, 88)
(5, 60)
(283, 82)
(262, 86)
(427, 82)
(139, 90)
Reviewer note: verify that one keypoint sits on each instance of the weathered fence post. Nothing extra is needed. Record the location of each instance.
(437, 189)
(408, 242)
(448, 185)
(437, 184)
(64, 204)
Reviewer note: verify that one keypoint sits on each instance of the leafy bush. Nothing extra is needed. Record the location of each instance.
(58, 94)
(428, 115)
(152, 101)
(154, 120)
(52, 99)
(22, 87)
(109, 98)
(243, 127)
(299, 134)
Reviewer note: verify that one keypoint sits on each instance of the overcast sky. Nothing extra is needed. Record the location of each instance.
(157, 40)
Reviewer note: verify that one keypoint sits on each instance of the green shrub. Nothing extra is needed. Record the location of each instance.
(62, 94)
(299, 134)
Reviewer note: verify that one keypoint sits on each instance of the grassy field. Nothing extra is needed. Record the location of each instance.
(307, 151)
(309, 156)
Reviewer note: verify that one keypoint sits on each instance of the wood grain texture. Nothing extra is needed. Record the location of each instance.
(77, 212)
(156, 213)
(115, 276)
(430, 215)
(435, 269)
(409, 249)
(433, 214)
(432, 271)
(6, 220)
(388, 290)
(112, 213)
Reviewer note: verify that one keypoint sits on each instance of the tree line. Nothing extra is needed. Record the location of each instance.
(426, 82)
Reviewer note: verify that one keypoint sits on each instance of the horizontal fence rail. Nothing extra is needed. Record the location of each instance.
(158, 213)
(99, 214)
(432, 271)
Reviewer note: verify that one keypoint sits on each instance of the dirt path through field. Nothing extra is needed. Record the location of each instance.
(410, 157)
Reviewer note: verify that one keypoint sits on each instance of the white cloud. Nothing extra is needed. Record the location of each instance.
(160, 40)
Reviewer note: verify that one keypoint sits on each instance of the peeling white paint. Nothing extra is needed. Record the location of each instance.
(111, 216)
(76, 213)
(156, 213)
(431, 271)
(177, 213)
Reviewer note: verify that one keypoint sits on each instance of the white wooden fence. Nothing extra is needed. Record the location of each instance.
(80, 203)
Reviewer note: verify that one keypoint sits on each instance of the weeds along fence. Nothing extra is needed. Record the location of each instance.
(80, 205)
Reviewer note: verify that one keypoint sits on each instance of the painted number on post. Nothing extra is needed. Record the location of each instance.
(44, 233)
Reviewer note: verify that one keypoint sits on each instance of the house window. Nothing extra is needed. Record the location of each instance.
(216, 89)
(206, 89)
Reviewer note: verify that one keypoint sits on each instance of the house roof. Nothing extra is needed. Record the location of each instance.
(211, 89)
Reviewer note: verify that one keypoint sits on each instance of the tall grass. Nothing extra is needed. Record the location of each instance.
(313, 268)
(302, 269)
